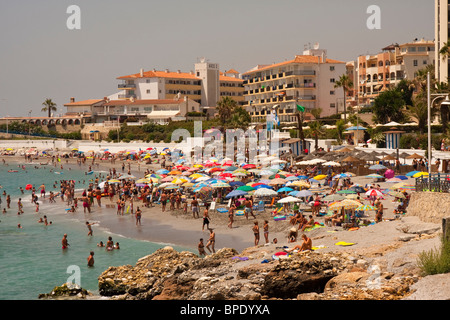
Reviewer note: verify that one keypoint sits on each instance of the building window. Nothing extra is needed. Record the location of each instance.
(332, 92)
(415, 63)
(331, 68)
(332, 80)
(332, 105)
(147, 80)
(425, 61)
(148, 91)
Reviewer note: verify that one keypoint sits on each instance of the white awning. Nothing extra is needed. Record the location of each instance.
(163, 114)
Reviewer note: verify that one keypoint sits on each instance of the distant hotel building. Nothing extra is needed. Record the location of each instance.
(442, 32)
(206, 85)
(307, 80)
(379, 72)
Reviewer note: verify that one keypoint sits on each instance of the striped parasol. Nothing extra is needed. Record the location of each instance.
(366, 208)
(346, 204)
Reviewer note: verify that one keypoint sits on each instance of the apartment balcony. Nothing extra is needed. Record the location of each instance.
(126, 86)
(300, 73)
(126, 96)
(307, 98)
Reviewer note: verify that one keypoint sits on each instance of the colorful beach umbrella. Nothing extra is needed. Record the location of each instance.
(235, 193)
(374, 193)
(320, 177)
(420, 174)
(246, 188)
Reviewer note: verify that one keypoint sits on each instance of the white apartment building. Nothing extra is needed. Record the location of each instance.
(379, 72)
(442, 32)
(205, 85)
(307, 80)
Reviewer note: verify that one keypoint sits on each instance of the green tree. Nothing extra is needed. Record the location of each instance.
(445, 50)
(315, 130)
(340, 128)
(388, 106)
(49, 106)
(240, 118)
(225, 108)
(345, 83)
(419, 110)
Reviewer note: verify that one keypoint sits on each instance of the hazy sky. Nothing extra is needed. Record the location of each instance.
(41, 58)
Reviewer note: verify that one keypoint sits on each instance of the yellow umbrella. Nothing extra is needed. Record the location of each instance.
(198, 166)
(419, 174)
(195, 175)
(347, 204)
(320, 177)
(187, 184)
(179, 181)
(113, 181)
(300, 183)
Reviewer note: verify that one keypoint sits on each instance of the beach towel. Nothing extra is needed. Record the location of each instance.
(318, 247)
(343, 243)
(239, 212)
(279, 218)
(315, 227)
(240, 258)
(353, 229)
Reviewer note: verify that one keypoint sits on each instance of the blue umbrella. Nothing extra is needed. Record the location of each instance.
(236, 183)
(411, 173)
(285, 189)
(292, 178)
(162, 171)
(235, 193)
(262, 186)
(402, 177)
(302, 177)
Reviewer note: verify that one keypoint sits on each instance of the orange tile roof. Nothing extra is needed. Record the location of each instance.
(226, 78)
(84, 102)
(297, 59)
(161, 74)
(232, 71)
(142, 102)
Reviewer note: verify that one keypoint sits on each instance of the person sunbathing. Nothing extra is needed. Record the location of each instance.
(306, 245)
(309, 224)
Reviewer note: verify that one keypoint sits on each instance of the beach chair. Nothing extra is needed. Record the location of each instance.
(271, 203)
(260, 206)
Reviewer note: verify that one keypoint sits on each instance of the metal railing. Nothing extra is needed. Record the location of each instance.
(439, 182)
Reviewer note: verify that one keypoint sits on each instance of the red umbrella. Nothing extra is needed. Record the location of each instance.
(28, 187)
(249, 166)
(226, 175)
(228, 163)
(216, 169)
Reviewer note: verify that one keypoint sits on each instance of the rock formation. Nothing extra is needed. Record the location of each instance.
(226, 275)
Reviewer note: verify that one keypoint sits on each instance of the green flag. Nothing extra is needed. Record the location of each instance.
(300, 108)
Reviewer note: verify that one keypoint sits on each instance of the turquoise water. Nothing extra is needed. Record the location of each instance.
(31, 258)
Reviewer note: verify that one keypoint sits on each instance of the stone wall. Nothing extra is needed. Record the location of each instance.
(429, 206)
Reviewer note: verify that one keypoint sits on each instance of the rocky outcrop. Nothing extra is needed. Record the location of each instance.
(65, 292)
(226, 275)
(429, 206)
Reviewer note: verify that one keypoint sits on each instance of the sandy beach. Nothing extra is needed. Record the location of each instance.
(385, 243)
(177, 228)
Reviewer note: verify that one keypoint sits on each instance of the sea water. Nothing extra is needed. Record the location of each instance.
(31, 258)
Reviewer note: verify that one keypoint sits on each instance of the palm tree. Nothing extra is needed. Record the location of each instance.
(345, 83)
(49, 106)
(315, 130)
(340, 128)
(445, 50)
(225, 108)
(419, 110)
